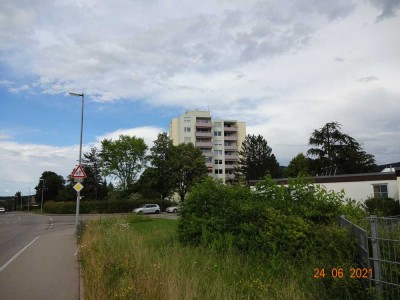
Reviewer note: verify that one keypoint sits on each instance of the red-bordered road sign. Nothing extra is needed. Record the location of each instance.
(78, 172)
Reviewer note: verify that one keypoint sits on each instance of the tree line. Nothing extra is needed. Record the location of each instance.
(130, 170)
(133, 170)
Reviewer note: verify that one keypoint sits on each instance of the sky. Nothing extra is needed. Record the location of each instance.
(284, 67)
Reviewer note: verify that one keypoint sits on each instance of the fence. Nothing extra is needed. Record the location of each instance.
(379, 246)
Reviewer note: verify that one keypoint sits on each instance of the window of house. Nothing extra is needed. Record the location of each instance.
(187, 129)
(218, 171)
(218, 161)
(218, 152)
(217, 133)
(380, 191)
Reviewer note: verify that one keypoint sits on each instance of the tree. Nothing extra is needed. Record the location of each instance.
(299, 164)
(256, 159)
(187, 168)
(161, 159)
(123, 159)
(338, 153)
(94, 188)
(53, 185)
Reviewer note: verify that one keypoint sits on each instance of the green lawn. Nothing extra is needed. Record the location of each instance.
(141, 258)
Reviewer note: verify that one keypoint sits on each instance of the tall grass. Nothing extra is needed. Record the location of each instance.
(141, 258)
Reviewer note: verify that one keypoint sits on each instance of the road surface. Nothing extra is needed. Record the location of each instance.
(38, 257)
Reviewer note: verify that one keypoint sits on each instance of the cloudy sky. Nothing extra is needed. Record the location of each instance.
(285, 67)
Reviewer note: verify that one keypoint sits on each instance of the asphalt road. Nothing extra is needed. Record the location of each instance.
(38, 257)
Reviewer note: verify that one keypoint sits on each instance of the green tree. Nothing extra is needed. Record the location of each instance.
(94, 188)
(299, 164)
(337, 153)
(161, 159)
(123, 159)
(187, 168)
(53, 185)
(256, 159)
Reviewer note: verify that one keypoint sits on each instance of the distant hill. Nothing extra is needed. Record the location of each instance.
(393, 165)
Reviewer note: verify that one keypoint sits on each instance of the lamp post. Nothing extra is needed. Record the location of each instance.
(78, 197)
(41, 202)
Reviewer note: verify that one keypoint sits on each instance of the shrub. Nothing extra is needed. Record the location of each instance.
(382, 206)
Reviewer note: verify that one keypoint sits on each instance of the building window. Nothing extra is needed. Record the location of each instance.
(218, 171)
(380, 191)
(187, 129)
(218, 152)
(218, 161)
(217, 133)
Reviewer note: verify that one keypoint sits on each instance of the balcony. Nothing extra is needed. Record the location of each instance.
(204, 144)
(231, 147)
(208, 154)
(204, 124)
(230, 167)
(231, 157)
(230, 129)
(203, 134)
(209, 164)
(230, 138)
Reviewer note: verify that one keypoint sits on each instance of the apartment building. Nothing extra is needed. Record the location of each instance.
(218, 140)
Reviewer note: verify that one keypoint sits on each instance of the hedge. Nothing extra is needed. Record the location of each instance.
(100, 207)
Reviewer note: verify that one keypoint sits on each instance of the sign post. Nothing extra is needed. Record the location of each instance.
(78, 174)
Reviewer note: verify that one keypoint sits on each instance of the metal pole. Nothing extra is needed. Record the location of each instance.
(41, 203)
(78, 196)
(29, 195)
(376, 255)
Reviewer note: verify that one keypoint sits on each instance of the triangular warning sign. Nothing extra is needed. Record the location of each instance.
(78, 172)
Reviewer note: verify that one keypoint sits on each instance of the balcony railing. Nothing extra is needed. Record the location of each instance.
(230, 138)
(231, 157)
(231, 147)
(204, 124)
(204, 144)
(230, 167)
(203, 134)
(230, 129)
(209, 164)
(208, 154)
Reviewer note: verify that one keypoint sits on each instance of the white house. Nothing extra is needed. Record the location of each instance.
(360, 186)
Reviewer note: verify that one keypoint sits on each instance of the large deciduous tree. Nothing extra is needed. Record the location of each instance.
(256, 159)
(298, 165)
(337, 153)
(52, 184)
(187, 168)
(123, 159)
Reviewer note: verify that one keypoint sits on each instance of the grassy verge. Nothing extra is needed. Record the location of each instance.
(140, 258)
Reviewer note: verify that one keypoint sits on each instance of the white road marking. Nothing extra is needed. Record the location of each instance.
(16, 255)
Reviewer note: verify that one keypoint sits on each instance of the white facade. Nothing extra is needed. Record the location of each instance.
(219, 140)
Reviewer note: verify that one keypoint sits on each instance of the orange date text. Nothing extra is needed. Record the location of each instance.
(354, 273)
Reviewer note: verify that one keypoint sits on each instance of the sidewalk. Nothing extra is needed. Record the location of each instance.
(47, 269)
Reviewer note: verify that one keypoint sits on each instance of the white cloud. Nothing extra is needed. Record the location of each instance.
(285, 67)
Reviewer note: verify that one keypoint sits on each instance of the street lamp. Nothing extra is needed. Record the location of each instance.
(41, 202)
(78, 197)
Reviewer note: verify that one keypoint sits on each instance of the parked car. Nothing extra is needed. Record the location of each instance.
(147, 209)
(172, 209)
(2, 210)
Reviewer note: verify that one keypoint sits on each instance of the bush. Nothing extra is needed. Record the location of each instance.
(292, 219)
(382, 206)
(99, 207)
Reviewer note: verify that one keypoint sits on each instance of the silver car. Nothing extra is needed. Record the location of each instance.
(147, 209)
(172, 209)
(2, 210)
